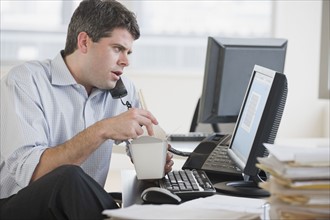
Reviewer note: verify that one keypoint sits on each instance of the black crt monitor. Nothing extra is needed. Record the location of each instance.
(228, 67)
(257, 123)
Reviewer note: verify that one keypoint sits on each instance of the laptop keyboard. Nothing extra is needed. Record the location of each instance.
(188, 184)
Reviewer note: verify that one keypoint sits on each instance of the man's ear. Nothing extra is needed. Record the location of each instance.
(82, 41)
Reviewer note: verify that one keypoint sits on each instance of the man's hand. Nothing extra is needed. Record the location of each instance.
(169, 162)
(128, 125)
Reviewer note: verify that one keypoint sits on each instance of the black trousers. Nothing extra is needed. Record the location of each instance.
(65, 193)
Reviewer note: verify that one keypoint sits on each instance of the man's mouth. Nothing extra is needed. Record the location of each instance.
(117, 73)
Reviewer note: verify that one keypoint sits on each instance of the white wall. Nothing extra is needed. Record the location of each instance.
(172, 99)
(300, 23)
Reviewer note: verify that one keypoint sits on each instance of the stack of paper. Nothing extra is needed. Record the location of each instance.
(299, 181)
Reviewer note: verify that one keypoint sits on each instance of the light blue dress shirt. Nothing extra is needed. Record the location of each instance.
(43, 106)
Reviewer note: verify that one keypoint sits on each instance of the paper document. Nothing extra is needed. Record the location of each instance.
(300, 154)
(299, 181)
(213, 207)
(291, 171)
(175, 212)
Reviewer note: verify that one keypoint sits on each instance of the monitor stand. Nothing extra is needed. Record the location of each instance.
(241, 188)
(194, 121)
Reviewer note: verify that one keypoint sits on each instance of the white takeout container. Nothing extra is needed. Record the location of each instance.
(149, 157)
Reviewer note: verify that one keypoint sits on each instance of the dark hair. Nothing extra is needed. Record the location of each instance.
(98, 18)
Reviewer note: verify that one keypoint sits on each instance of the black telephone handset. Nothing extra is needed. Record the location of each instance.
(119, 91)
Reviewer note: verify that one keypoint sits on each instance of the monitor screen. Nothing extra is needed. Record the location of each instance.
(257, 123)
(228, 68)
(248, 123)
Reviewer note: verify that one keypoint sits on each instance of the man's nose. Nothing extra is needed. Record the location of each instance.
(123, 60)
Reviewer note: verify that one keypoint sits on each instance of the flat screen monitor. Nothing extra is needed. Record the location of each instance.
(258, 123)
(228, 67)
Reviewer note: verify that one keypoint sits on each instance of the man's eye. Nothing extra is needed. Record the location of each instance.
(117, 49)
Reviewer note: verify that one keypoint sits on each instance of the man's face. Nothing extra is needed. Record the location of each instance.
(106, 59)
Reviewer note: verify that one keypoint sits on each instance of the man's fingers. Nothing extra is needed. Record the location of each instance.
(146, 114)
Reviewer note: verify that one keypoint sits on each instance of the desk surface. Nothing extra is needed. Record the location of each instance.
(132, 189)
(212, 207)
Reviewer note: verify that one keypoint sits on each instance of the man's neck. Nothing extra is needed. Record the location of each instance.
(73, 65)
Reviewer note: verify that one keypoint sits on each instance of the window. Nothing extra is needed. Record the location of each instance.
(32, 29)
(202, 18)
(20, 15)
(174, 33)
(34, 15)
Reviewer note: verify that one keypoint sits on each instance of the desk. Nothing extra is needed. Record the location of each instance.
(132, 187)
(241, 208)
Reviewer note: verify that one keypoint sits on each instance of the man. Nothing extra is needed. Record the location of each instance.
(59, 120)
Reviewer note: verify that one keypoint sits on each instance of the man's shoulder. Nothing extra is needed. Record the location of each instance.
(29, 70)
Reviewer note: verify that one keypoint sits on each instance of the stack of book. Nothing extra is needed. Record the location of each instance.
(299, 182)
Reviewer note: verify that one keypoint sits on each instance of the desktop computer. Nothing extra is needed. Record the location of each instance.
(258, 122)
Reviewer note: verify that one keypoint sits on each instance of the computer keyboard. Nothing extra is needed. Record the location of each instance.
(188, 184)
(187, 137)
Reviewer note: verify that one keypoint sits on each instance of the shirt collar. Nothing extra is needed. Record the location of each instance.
(61, 75)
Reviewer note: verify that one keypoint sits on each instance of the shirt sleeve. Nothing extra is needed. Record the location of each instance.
(23, 127)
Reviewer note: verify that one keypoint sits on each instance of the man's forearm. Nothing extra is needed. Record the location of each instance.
(74, 151)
